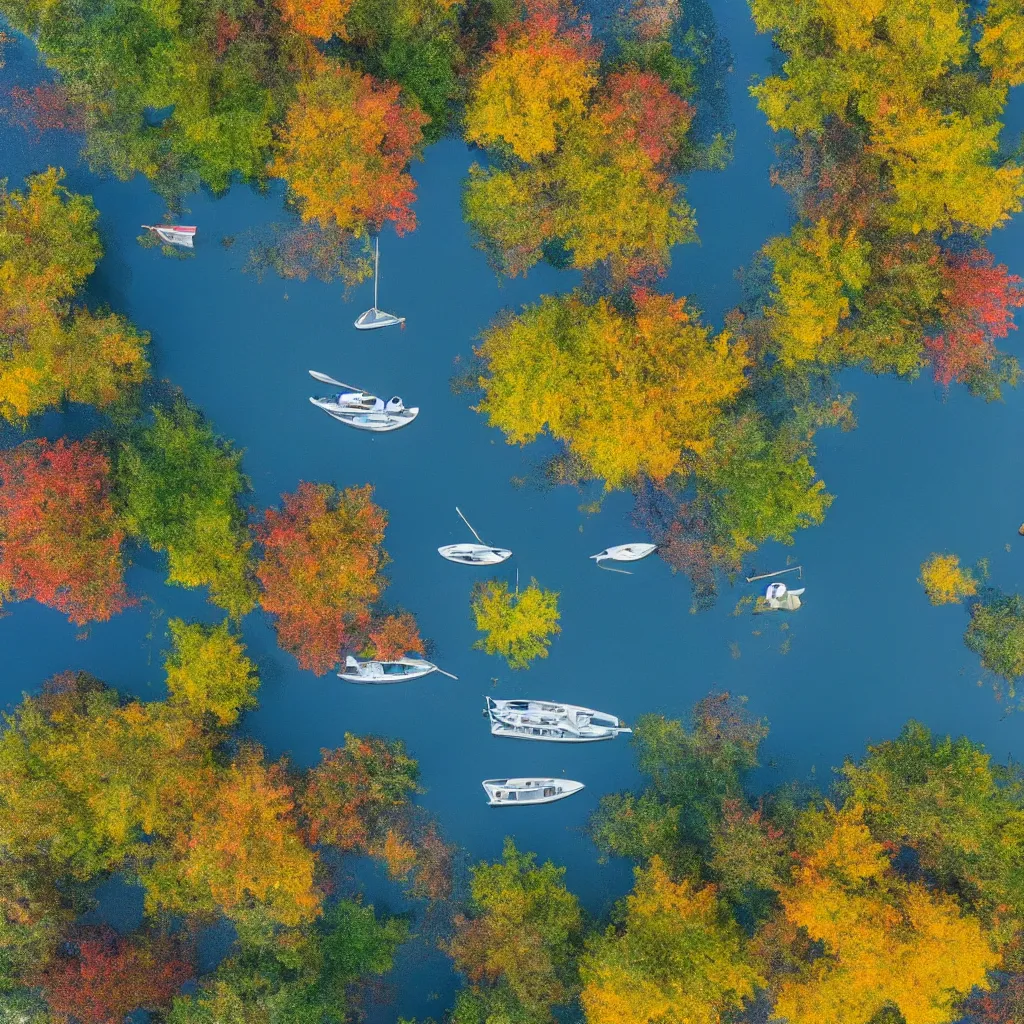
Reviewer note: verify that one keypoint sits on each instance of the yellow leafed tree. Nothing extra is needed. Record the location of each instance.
(946, 581)
(534, 82)
(885, 941)
(1001, 46)
(629, 394)
(679, 957)
(816, 271)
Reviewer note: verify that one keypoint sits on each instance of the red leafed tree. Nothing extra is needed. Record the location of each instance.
(59, 538)
(321, 570)
(395, 636)
(977, 305)
(640, 110)
(102, 977)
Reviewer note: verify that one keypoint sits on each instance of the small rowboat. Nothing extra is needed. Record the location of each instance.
(510, 792)
(546, 720)
(623, 553)
(178, 234)
(359, 409)
(401, 671)
(473, 554)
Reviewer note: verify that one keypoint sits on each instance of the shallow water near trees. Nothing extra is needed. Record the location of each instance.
(923, 472)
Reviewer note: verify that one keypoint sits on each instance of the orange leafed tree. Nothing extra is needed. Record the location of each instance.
(394, 636)
(244, 845)
(884, 941)
(59, 539)
(344, 149)
(321, 19)
(349, 792)
(321, 570)
(534, 81)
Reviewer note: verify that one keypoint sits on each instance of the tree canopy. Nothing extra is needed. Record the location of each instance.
(630, 393)
(53, 348)
(178, 488)
(518, 626)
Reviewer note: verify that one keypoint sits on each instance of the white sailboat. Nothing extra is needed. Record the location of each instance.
(510, 792)
(402, 670)
(374, 318)
(551, 721)
(473, 554)
(623, 553)
(178, 234)
(361, 410)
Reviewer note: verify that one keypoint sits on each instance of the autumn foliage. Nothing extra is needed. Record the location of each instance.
(976, 309)
(344, 149)
(578, 160)
(243, 846)
(103, 977)
(52, 349)
(679, 957)
(519, 625)
(945, 581)
(60, 541)
(321, 570)
(886, 941)
(348, 794)
(394, 636)
(630, 393)
(534, 82)
(321, 19)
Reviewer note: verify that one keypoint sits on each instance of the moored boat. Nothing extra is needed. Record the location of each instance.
(473, 554)
(362, 410)
(623, 553)
(375, 318)
(550, 721)
(402, 670)
(510, 792)
(174, 234)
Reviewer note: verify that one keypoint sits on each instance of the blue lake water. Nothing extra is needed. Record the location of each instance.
(923, 472)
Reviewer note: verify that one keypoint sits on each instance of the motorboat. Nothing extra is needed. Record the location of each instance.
(367, 412)
(473, 554)
(509, 792)
(362, 410)
(403, 670)
(547, 720)
(625, 553)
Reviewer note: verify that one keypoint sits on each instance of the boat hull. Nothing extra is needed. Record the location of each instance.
(474, 554)
(551, 722)
(369, 676)
(522, 792)
(547, 734)
(374, 319)
(362, 417)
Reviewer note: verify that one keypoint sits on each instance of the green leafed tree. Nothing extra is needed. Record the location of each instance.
(518, 944)
(179, 488)
(208, 671)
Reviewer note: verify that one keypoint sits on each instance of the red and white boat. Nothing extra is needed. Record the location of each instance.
(174, 234)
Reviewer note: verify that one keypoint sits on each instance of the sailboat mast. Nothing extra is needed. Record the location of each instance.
(376, 270)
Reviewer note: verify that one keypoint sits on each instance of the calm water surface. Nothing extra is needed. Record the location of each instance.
(923, 472)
